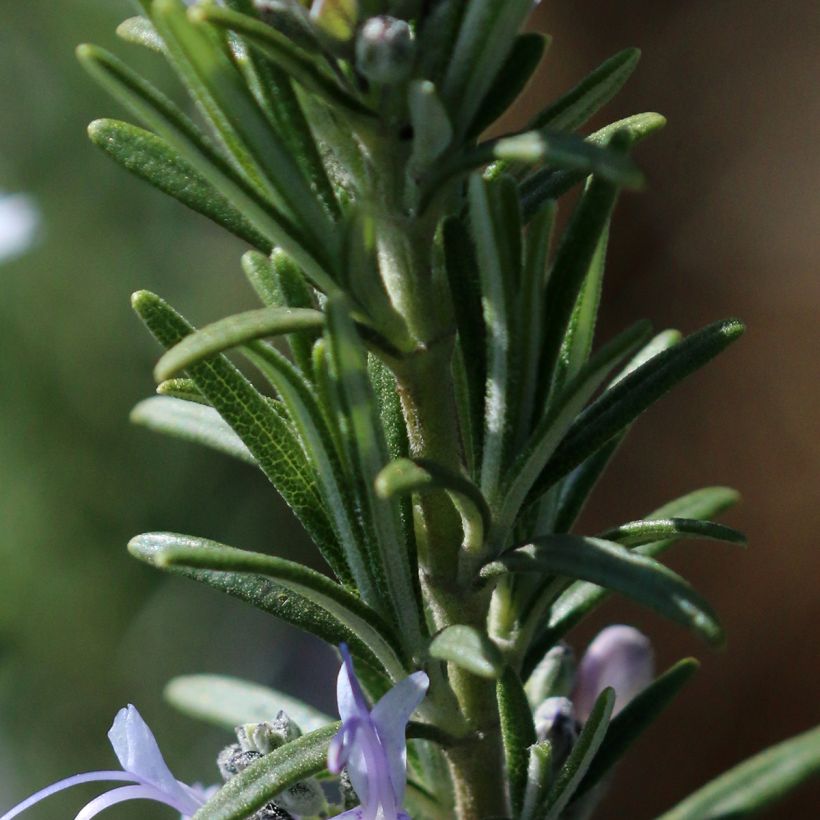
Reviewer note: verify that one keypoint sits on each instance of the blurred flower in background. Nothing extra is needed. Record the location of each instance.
(19, 224)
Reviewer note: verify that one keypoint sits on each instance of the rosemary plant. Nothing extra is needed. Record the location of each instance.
(436, 411)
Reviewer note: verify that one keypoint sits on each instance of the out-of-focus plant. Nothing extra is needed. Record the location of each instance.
(434, 408)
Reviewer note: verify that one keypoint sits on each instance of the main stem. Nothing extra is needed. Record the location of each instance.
(427, 392)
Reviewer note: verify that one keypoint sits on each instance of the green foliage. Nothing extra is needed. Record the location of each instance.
(434, 404)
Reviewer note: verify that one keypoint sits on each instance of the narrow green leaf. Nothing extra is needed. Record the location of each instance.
(581, 756)
(573, 109)
(631, 722)
(220, 89)
(553, 426)
(619, 407)
(539, 771)
(484, 41)
(496, 230)
(280, 50)
(270, 775)
(576, 487)
(264, 594)
(637, 533)
(279, 282)
(551, 183)
(233, 331)
(389, 551)
(469, 649)
(527, 52)
(517, 733)
(267, 436)
(432, 131)
(756, 783)
(141, 32)
(461, 266)
(582, 597)
(184, 389)
(229, 702)
(191, 422)
(611, 565)
(318, 443)
(160, 114)
(169, 550)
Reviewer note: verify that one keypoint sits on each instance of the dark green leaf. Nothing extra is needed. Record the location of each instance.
(265, 433)
(517, 733)
(169, 550)
(756, 783)
(574, 108)
(230, 702)
(266, 595)
(615, 567)
(192, 422)
(620, 406)
(522, 61)
(635, 718)
(268, 776)
(469, 649)
(581, 756)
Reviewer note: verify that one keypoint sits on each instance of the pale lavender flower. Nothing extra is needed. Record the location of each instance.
(19, 223)
(619, 656)
(372, 744)
(142, 766)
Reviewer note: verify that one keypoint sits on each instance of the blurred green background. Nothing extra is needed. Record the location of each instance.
(728, 226)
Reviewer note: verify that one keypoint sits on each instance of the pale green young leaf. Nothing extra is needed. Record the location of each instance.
(234, 331)
(229, 702)
(581, 756)
(539, 772)
(610, 565)
(141, 32)
(184, 389)
(756, 783)
(638, 533)
(170, 550)
(270, 775)
(470, 649)
(191, 422)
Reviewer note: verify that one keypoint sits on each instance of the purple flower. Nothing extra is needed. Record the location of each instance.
(142, 766)
(371, 743)
(620, 657)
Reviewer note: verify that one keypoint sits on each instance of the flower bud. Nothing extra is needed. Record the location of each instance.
(555, 722)
(620, 657)
(385, 50)
(554, 676)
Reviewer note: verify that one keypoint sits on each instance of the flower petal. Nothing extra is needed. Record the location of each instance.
(124, 793)
(89, 777)
(619, 656)
(390, 716)
(138, 752)
(349, 695)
